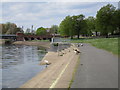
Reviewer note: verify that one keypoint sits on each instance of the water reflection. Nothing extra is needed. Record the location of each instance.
(20, 63)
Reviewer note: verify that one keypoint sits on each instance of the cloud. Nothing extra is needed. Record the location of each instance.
(60, 0)
(46, 13)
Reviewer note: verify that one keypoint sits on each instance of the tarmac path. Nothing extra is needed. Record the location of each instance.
(97, 69)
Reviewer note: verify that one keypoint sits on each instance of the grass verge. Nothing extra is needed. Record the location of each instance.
(41, 40)
(109, 44)
(73, 74)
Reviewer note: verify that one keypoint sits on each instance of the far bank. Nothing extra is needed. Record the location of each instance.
(45, 44)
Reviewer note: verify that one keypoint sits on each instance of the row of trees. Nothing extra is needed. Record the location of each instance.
(9, 28)
(44, 31)
(73, 25)
(107, 22)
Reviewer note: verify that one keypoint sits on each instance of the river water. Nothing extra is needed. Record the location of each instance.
(19, 64)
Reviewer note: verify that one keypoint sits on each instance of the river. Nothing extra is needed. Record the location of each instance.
(19, 64)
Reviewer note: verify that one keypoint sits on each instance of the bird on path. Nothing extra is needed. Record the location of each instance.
(46, 62)
(77, 51)
(81, 44)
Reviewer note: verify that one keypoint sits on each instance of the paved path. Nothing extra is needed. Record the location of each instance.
(99, 69)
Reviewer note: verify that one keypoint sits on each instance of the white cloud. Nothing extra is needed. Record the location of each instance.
(46, 13)
(60, 0)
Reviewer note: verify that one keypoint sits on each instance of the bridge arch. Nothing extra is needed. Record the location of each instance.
(44, 38)
(38, 38)
(26, 38)
(32, 38)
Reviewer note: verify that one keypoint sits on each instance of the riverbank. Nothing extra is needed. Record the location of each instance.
(20, 63)
(59, 73)
(3, 41)
(34, 43)
(108, 44)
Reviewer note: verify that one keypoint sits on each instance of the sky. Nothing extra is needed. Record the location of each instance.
(46, 14)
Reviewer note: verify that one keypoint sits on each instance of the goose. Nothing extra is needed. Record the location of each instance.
(46, 62)
(77, 51)
(81, 44)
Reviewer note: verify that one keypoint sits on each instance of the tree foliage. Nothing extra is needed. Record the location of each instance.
(28, 32)
(105, 18)
(54, 29)
(72, 25)
(90, 21)
(106, 22)
(65, 26)
(116, 23)
(9, 28)
(41, 31)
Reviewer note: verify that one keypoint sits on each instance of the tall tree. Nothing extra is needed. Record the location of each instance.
(104, 19)
(116, 21)
(90, 25)
(79, 24)
(9, 28)
(54, 29)
(41, 31)
(71, 26)
(65, 27)
(27, 31)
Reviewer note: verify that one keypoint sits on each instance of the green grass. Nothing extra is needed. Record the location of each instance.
(73, 74)
(41, 40)
(109, 44)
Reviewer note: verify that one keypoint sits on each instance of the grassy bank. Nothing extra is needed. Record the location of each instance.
(109, 44)
(45, 44)
(40, 41)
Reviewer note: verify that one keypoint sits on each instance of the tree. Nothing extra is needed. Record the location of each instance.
(9, 28)
(19, 29)
(66, 27)
(79, 24)
(116, 21)
(72, 25)
(28, 31)
(41, 31)
(90, 21)
(54, 29)
(104, 19)
(2, 29)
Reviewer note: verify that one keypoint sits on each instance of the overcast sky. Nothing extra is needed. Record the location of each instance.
(46, 13)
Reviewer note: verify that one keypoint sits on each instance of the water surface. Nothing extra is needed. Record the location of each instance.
(20, 63)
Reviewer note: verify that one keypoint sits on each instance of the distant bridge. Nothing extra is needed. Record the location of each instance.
(23, 37)
(13, 37)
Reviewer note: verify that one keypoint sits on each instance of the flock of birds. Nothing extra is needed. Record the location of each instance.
(75, 50)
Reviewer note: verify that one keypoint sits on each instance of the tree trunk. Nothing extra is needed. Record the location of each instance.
(96, 33)
(78, 36)
(71, 37)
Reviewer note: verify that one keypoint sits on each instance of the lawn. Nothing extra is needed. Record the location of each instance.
(41, 40)
(109, 44)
